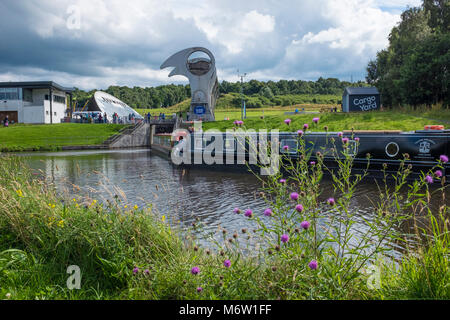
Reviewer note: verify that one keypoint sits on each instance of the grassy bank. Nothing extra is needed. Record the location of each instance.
(127, 253)
(52, 137)
(386, 120)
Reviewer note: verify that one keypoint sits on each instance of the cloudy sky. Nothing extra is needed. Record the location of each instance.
(96, 43)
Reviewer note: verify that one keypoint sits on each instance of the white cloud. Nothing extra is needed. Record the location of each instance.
(124, 43)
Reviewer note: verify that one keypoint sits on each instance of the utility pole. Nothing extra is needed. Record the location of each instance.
(243, 111)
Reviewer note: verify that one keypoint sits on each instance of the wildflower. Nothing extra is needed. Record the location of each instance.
(135, 207)
(195, 270)
(313, 264)
(305, 225)
(61, 224)
(248, 213)
(340, 134)
(356, 139)
(344, 140)
(315, 120)
(294, 196)
(429, 179)
(282, 181)
(443, 158)
(287, 121)
(274, 268)
(146, 271)
(19, 193)
(227, 263)
(237, 210)
(284, 238)
(331, 201)
(8, 295)
(163, 218)
(268, 212)
(305, 126)
(244, 230)
(235, 235)
(299, 208)
(438, 173)
(325, 128)
(135, 270)
(300, 133)
(285, 148)
(277, 248)
(313, 163)
(199, 289)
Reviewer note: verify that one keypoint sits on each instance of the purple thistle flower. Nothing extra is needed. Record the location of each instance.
(195, 270)
(340, 134)
(248, 213)
(268, 212)
(313, 264)
(356, 139)
(284, 238)
(313, 163)
(146, 271)
(227, 263)
(315, 120)
(305, 126)
(305, 225)
(429, 179)
(135, 270)
(299, 208)
(285, 147)
(438, 173)
(287, 121)
(300, 133)
(237, 210)
(443, 158)
(331, 201)
(294, 196)
(282, 181)
(344, 140)
(199, 289)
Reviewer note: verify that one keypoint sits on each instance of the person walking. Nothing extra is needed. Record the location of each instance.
(6, 121)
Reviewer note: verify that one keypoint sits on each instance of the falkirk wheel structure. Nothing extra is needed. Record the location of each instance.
(201, 72)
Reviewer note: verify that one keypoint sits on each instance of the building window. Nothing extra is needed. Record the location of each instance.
(9, 94)
(54, 113)
(46, 97)
(59, 99)
(46, 112)
(27, 95)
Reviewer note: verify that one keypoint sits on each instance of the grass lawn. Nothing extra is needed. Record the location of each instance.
(386, 120)
(20, 137)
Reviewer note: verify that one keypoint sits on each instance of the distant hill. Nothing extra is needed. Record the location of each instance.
(257, 94)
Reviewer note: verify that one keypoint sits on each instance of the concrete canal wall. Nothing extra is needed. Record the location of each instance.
(139, 136)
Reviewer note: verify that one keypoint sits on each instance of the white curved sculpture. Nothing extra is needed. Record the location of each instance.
(202, 77)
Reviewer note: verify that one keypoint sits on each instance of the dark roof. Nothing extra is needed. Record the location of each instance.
(35, 85)
(361, 90)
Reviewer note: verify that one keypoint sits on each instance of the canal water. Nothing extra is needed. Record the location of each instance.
(139, 177)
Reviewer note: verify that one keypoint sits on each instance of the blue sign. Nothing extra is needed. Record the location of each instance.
(199, 110)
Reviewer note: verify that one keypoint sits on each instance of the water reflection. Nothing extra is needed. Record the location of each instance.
(141, 177)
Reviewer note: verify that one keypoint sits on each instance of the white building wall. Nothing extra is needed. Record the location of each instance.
(33, 114)
(37, 111)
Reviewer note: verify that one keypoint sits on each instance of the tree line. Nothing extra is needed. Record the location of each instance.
(415, 68)
(257, 93)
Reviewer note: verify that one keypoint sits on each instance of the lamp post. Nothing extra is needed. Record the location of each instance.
(243, 111)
